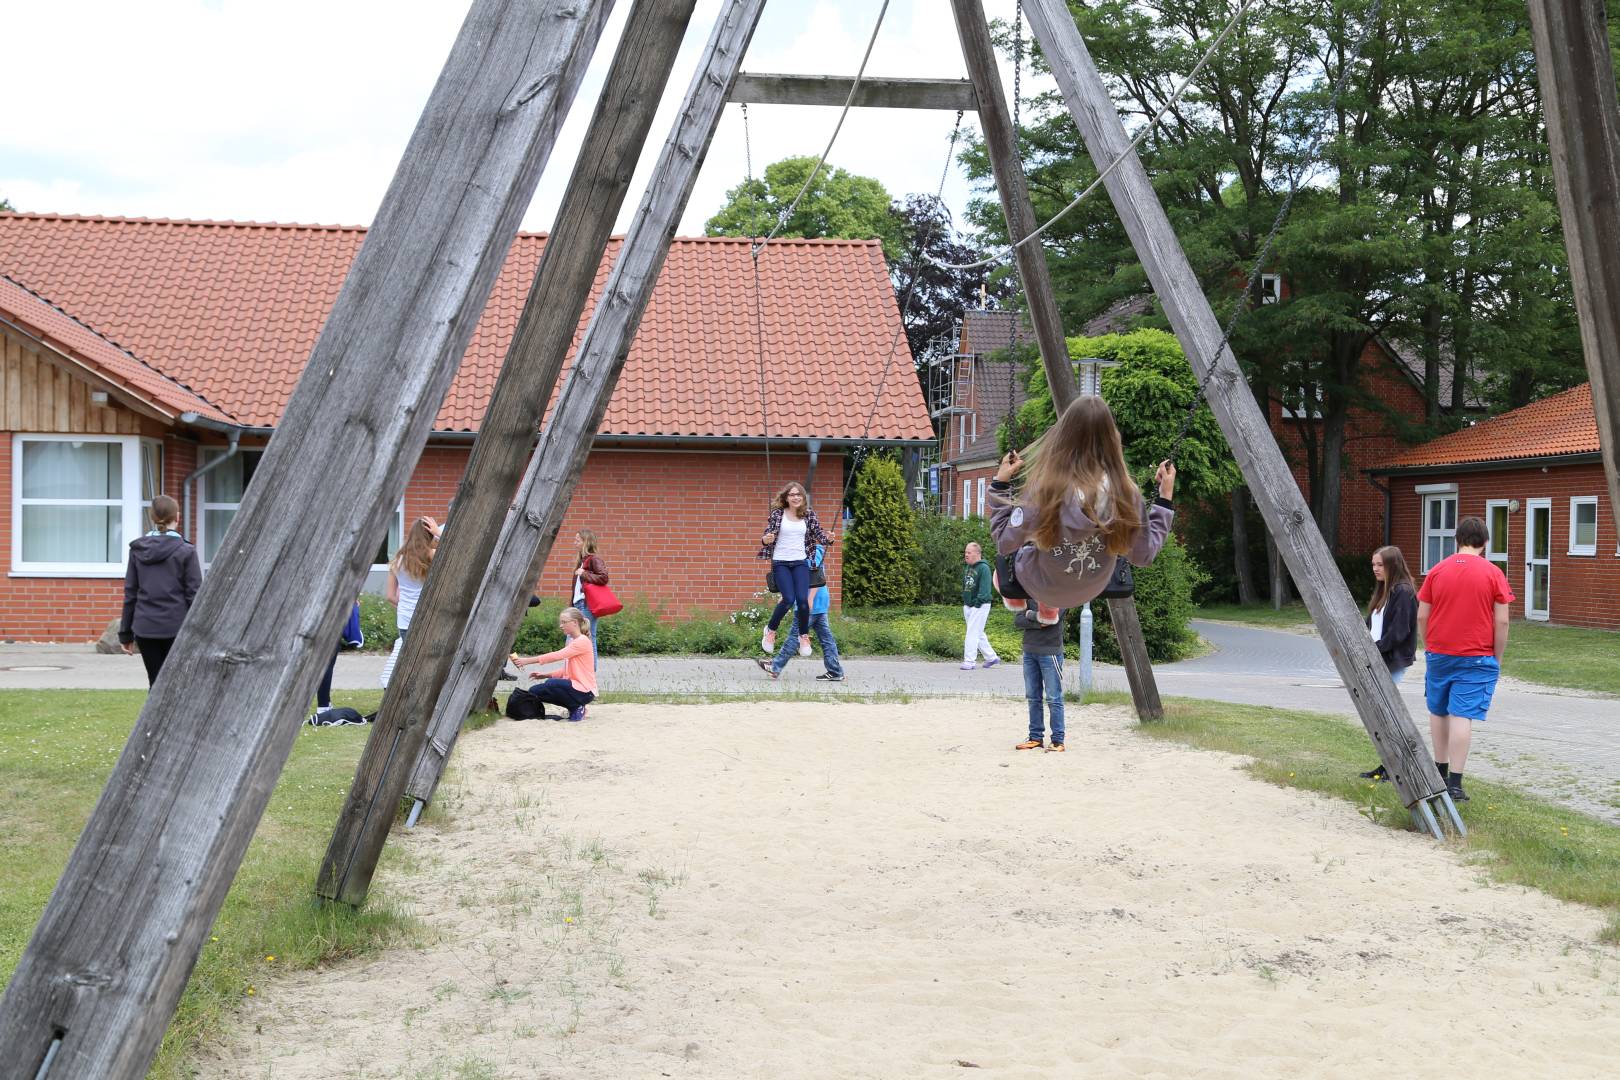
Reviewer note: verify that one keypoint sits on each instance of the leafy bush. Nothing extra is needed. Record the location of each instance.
(938, 556)
(1164, 604)
(1357, 571)
(377, 623)
(878, 549)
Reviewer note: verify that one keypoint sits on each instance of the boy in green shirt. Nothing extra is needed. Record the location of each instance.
(976, 597)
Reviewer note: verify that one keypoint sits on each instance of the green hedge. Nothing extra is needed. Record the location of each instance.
(878, 565)
(1164, 604)
(938, 555)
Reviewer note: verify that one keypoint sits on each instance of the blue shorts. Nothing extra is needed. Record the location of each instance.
(1460, 685)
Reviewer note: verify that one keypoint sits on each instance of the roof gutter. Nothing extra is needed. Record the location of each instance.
(705, 441)
(1498, 465)
(233, 434)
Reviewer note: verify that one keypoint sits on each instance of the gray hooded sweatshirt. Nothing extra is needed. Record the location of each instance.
(163, 576)
(1075, 571)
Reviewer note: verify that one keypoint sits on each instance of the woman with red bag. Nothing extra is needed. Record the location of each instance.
(590, 584)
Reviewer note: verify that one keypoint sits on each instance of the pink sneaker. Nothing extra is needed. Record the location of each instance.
(1046, 616)
(767, 641)
(804, 644)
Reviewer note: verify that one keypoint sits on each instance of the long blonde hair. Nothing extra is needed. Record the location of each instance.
(415, 555)
(1082, 453)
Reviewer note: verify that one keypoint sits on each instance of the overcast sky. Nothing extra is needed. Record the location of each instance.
(298, 110)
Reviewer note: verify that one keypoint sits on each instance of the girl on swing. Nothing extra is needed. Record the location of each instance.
(1078, 511)
(791, 534)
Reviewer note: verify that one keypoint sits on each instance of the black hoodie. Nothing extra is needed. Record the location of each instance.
(163, 576)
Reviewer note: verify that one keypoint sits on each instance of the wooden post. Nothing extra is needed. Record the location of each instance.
(834, 90)
(562, 284)
(99, 980)
(1576, 72)
(531, 525)
(1271, 484)
(1002, 143)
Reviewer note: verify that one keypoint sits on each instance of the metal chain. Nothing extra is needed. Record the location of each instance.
(1259, 265)
(1017, 222)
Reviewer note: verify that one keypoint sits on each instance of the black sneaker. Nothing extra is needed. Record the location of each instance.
(1457, 793)
(827, 676)
(506, 676)
(1378, 773)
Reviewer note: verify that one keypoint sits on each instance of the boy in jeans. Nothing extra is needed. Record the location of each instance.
(1043, 671)
(820, 602)
(1463, 619)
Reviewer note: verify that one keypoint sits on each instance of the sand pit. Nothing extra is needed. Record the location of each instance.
(889, 891)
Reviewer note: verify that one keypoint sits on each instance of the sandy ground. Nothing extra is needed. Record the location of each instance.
(826, 891)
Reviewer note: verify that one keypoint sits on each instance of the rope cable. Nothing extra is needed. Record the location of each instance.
(1209, 54)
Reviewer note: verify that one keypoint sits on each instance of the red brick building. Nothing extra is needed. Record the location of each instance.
(1534, 475)
(156, 356)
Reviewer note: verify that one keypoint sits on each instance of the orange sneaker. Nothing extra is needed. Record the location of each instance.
(1029, 744)
(1055, 748)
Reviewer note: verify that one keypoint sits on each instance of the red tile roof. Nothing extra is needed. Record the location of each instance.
(68, 336)
(1552, 427)
(231, 310)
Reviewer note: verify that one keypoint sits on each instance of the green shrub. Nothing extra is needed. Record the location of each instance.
(938, 555)
(1164, 604)
(377, 623)
(938, 641)
(878, 549)
(1357, 571)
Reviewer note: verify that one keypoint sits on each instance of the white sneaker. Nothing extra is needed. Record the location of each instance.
(804, 644)
(968, 665)
(767, 641)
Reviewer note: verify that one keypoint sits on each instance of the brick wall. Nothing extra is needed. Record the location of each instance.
(1583, 590)
(1370, 441)
(676, 528)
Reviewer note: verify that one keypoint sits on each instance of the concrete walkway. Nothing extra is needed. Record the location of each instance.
(1563, 745)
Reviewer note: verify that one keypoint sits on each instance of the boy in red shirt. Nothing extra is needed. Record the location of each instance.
(1463, 619)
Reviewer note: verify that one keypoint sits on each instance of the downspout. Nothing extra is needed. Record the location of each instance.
(814, 446)
(232, 432)
(1389, 505)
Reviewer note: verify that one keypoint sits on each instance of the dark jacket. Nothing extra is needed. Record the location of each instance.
(1398, 645)
(1079, 568)
(976, 584)
(163, 576)
(1040, 639)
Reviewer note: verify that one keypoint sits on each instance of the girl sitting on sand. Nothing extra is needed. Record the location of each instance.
(573, 686)
(1078, 512)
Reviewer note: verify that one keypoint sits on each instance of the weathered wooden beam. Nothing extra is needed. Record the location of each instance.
(100, 978)
(532, 523)
(1576, 71)
(562, 285)
(1270, 482)
(761, 89)
(1002, 143)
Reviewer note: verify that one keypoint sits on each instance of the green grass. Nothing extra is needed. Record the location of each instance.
(1571, 657)
(1291, 617)
(1514, 837)
(56, 751)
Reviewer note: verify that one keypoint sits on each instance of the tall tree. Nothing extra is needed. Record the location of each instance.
(838, 204)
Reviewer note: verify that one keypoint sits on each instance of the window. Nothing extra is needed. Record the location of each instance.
(1439, 524)
(1583, 525)
(1496, 525)
(395, 537)
(1270, 288)
(967, 496)
(77, 501)
(223, 488)
(981, 496)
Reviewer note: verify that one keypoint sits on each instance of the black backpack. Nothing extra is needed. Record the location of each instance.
(522, 705)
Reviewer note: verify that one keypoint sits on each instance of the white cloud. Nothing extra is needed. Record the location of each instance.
(298, 110)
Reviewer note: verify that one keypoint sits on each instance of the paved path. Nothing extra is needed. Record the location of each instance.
(1561, 744)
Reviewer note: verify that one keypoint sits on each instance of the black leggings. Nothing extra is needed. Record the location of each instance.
(154, 650)
(558, 692)
(323, 693)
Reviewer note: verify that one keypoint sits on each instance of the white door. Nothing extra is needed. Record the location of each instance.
(1537, 558)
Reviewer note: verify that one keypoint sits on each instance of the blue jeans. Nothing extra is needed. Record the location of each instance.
(590, 617)
(829, 648)
(1044, 672)
(793, 578)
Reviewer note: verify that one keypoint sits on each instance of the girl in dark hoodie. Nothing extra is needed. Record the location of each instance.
(162, 578)
(1392, 619)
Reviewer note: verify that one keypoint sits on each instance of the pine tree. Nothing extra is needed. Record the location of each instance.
(878, 550)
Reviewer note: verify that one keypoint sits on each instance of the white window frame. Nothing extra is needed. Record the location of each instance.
(1583, 549)
(399, 519)
(981, 496)
(967, 499)
(129, 502)
(1492, 554)
(204, 503)
(1432, 493)
(1530, 562)
(1270, 288)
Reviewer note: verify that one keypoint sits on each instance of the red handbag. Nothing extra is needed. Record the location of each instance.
(601, 601)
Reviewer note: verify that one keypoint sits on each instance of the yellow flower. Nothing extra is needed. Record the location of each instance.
(213, 939)
(568, 918)
(270, 959)
(250, 991)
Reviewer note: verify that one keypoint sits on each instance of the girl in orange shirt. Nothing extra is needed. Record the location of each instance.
(573, 686)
